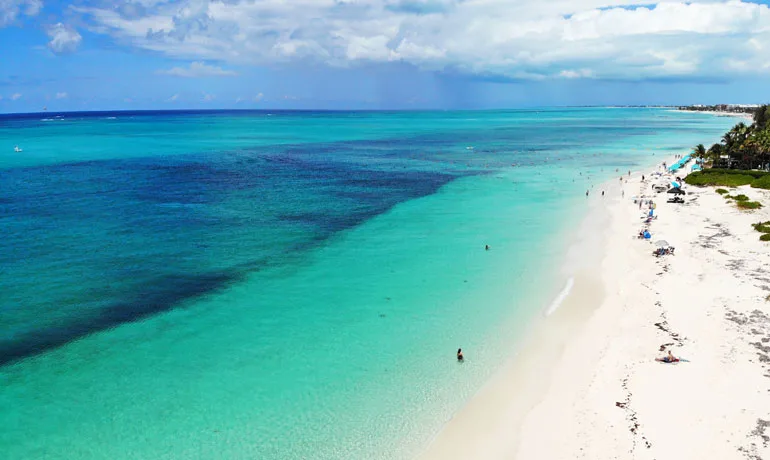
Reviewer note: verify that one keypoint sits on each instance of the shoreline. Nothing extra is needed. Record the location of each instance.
(484, 427)
(584, 383)
(745, 116)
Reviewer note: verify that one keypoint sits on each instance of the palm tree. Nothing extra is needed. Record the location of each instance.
(762, 116)
(728, 139)
(699, 151)
(715, 152)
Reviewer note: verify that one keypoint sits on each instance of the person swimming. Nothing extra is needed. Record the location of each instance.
(459, 354)
(486, 247)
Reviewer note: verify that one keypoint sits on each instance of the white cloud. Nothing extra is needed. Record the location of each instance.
(513, 38)
(582, 73)
(16, 96)
(198, 69)
(61, 95)
(208, 97)
(173, 98)
(259, 97)
(64, 39)
(11, 9)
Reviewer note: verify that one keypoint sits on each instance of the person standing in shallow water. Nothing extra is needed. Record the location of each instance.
(460, 354)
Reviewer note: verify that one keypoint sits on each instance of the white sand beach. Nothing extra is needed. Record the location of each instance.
(745, 116)
(586, 383)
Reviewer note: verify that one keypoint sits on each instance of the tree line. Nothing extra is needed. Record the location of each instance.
(743, 147)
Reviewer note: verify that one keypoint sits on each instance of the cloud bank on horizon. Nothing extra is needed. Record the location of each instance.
(493, 40)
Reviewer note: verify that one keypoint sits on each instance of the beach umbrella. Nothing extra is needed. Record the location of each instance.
(662, 244)
(676, 191)
(675, 184)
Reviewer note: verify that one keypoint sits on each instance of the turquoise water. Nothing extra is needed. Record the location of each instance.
(285, 285)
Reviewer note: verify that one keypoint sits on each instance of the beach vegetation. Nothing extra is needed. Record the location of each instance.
(740, 197)
(764, 237)
(762, 182)
(721, 191)
(749, 204)
(743, 147)
(762, 227)
(725, 178)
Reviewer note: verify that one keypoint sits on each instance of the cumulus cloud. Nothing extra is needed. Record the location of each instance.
(15, 96)
(259, 97)
(61, 95)
(173, 98)
(64, 38)
(208, 97)
(11, 9)
(512, 38)
(198, 69)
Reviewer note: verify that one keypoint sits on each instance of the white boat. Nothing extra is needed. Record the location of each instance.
(17, 149)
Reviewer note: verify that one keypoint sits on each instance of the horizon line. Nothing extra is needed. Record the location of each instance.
(194, 110)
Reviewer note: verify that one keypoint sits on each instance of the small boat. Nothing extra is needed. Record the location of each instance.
(17, 149)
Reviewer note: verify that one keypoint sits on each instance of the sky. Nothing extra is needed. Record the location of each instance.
(379, 54)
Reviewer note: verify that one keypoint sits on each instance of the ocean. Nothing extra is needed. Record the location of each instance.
(284, 285)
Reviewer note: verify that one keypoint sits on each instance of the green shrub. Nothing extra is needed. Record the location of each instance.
(762, 182)
(762, 227)
(747, 172)
(725, 180)
(721, 191)
(741, 198)
(764, 237)
(749, 204)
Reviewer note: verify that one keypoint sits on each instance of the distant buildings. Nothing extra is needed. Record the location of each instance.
(731, 108)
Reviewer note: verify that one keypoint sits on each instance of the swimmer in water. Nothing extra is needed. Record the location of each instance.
(459, 354)
(486, 247)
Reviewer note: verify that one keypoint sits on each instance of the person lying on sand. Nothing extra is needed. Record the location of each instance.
(670, 358)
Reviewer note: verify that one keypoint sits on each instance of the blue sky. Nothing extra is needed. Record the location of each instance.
(379, 54)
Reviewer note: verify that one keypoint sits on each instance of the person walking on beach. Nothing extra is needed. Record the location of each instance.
(602, 192)
(460, 354)
(586, 192)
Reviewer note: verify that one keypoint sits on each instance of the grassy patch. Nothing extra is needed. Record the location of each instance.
(729, 178)
(749, 204)
(721, 191)
(762, 182)
(725, 180)
(741, 198)
(764, 237)
(762, 227)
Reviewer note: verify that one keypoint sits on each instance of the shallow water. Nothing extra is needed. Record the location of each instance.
(286, 285)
